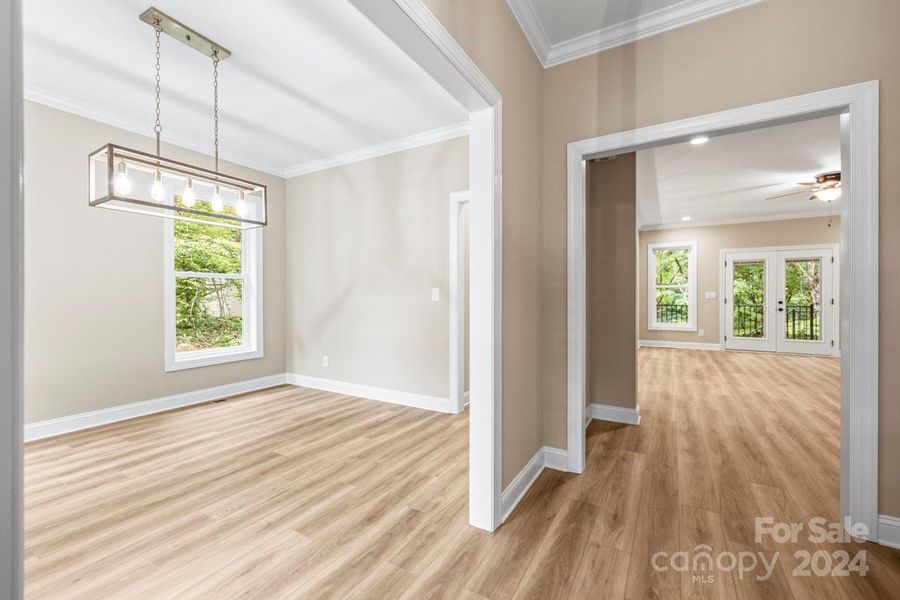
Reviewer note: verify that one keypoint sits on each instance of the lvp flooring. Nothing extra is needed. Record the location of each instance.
(294, 493)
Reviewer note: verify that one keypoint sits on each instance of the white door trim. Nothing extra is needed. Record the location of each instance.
(11, 302)
(858, 105)
(412, 26)
(457, 305)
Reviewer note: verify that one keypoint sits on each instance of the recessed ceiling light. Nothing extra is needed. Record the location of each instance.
(699, 139)
(685, 219)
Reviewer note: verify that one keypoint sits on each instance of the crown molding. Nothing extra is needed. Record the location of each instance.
(116, 120)
(791, 216)
(530, 22)
(653, 23)
(407, 143)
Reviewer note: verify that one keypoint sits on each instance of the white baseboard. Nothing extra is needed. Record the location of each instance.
(435, 403)
(616, 414)
(545, 458)
(54, 427)
(889, 531)
(681, 345)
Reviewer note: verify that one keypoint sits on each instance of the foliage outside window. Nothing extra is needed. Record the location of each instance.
(213, 312)
(672, 286)
(749, 295)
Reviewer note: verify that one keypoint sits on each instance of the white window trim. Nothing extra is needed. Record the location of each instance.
(691, 325)
(251, 267)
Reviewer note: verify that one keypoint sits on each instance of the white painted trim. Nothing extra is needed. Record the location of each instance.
(653, 23)
(691, 325)
(413, 27)
(252, 306)
(53, 427)
(889, 531)
(457, 305)
(405, 143)
(11, 302)
(532, 27)
(545, 458)
(792, 216)
(679, 345)
(369, 392)
(859, 275)
(616, 414)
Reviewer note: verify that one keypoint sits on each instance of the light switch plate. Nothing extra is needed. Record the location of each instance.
(436, 294)
(325, 361)
(710, 295)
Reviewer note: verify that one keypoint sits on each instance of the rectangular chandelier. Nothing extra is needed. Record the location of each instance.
(150, 184)
(134, 181)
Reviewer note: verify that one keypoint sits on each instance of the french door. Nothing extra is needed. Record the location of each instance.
(780, 300)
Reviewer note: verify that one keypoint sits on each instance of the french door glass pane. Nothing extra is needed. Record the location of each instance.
(749, 299)
(803, 299)
(208, 313)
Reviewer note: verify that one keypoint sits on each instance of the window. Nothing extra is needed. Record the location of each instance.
(213, 294)
(672, 286)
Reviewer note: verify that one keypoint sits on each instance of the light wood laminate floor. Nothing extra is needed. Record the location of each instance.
(293, 493)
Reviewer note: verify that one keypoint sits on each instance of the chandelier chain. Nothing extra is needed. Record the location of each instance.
(158, 127)
(215, 59)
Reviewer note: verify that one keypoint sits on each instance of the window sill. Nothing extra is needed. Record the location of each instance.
(208, 358)
(671, 328)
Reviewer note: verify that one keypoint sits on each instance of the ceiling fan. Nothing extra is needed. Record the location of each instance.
(826, 187)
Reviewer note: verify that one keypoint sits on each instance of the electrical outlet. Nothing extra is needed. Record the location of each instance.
(325, 361)
(701, 332)
(436, 294)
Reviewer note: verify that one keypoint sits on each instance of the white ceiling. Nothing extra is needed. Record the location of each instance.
(307, 80)
(563, 31)
(729, 178)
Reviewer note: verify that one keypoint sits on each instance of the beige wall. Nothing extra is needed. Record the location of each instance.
(94, 280)
(366, 243)
(489, 34)
(709, 241)
(756, 54)
(611, 285)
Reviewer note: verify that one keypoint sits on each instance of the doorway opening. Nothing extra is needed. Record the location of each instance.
(855, 404)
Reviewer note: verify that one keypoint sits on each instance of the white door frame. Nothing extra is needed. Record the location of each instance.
(413, 28)
(457, 305)
(11, 303)
(858, 106)
(835, 329)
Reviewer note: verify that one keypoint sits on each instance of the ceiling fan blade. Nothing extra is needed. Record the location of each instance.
(808, 183)
(790, 194)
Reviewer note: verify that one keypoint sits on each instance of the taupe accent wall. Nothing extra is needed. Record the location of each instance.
(611, 282)
(710, 240)
(94, 280)
(489, 34)
(759, 53)
(366, 243)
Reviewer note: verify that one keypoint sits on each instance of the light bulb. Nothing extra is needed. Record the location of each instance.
(829, 194)
(187, 196)
(699, 140)
(123, 184)
(158, 192)
(217, 204)
(241, 206)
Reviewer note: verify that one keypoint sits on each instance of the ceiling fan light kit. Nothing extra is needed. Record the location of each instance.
(131, 180)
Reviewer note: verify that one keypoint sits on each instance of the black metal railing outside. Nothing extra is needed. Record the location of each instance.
(749, 320)
(672, 314)
(802, 322)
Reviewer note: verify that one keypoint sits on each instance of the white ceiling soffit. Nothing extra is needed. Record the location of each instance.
(309, 83)
(560, 32)
(728, 179)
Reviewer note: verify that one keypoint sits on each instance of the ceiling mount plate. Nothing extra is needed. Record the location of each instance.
(184, 34)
